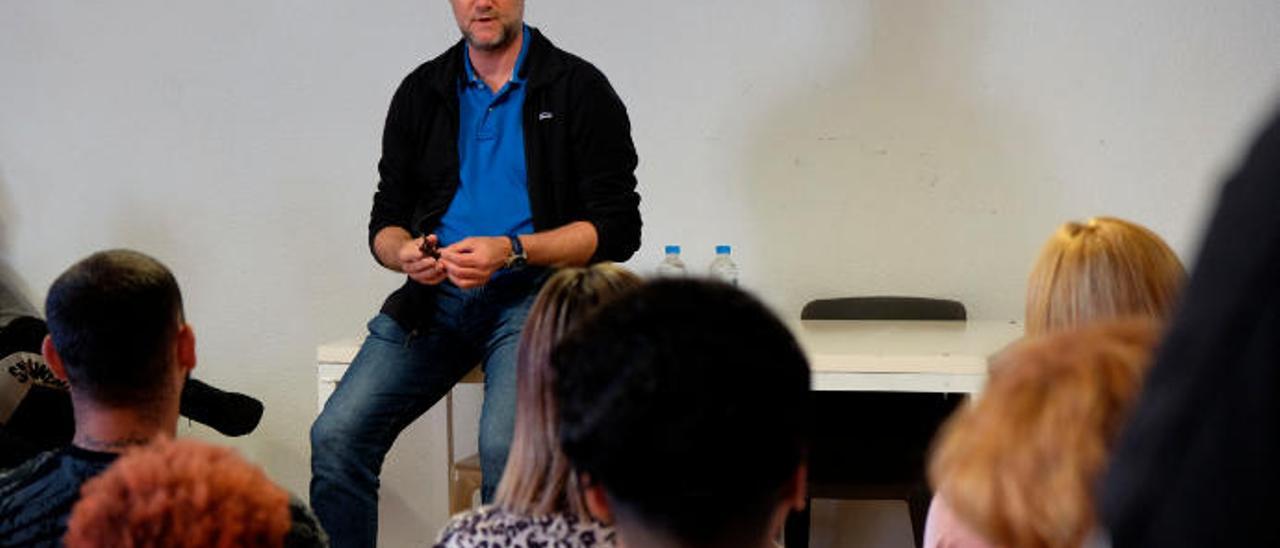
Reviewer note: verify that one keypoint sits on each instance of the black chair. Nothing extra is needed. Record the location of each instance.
(882, 454)
(883, 308)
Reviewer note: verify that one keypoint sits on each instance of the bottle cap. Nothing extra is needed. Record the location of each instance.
(673, 249)
(722, 250)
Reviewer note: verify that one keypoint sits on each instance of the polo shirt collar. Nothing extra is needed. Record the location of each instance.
(516, 78)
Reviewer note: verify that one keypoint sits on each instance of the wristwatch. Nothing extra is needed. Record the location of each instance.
(518, 258)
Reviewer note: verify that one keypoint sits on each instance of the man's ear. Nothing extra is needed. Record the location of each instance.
(597, 502)
(52, 359)
(800, 484)
(186, 348)
(793, 499)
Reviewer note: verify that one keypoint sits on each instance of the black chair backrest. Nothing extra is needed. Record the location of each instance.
(883, 308)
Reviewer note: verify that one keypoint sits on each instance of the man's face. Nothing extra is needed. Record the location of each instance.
(489, 24)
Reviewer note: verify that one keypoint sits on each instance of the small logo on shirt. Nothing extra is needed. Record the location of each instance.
(545, 116)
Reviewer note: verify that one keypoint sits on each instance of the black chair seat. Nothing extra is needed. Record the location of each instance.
(883, 308)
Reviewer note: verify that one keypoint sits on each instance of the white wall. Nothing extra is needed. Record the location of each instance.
(842, 146)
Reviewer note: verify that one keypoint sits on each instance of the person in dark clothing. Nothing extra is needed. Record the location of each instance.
(685, 409)
(118, 339)
(1197, 464)
(502, 158)
(35, 407)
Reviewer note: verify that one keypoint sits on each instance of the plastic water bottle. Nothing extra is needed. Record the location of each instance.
(722, 267)
(671, 266)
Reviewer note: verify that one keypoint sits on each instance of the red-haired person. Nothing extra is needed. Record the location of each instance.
(1018, 467)
(183, 494)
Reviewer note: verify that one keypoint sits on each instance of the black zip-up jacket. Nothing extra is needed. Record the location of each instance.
(1198, 463)
(579, 157)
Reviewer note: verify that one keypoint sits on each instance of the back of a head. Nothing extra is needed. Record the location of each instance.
(537, 479)
(688, 402)
(1020, 464)
(1104, 268)
(111, 317)
(184, 494)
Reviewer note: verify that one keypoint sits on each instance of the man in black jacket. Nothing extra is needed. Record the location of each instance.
(501, 158)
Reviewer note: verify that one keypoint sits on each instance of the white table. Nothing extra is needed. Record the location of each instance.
(902, 356)
(846, 355)
(332, 360)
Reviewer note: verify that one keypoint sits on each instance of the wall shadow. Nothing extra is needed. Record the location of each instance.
(16, 296)
(7, 212)
(891, 174)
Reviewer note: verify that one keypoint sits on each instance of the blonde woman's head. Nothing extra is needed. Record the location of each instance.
(538, 479)
(1099, 269)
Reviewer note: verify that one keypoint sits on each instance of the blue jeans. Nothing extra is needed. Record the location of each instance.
(397, 376)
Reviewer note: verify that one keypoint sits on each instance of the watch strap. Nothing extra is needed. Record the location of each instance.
(517, 258)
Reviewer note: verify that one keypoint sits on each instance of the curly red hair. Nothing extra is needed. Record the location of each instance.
(1019, 465)
(183, 494)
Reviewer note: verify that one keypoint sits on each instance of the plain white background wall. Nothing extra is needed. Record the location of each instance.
(842, 146)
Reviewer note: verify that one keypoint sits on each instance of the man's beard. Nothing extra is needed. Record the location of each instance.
(500, 41)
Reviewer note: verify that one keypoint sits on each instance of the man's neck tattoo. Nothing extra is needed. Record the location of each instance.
(112, 445)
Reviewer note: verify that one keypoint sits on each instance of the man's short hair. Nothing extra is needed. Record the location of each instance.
(688, 402)
(112, 318)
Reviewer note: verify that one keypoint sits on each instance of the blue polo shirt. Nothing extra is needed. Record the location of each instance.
(493, 198)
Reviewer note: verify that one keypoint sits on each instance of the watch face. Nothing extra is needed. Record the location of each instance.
(516, 260)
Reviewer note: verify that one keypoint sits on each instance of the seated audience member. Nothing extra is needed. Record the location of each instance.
(117, 337)
(1103, 268)
(1018, 467)
(539, 502)
(1097, 270)
(183, 494)
(684, 408)
(1197, 464)
(35, 407)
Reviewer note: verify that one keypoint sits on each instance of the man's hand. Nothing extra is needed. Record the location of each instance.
(420, 267)
(471, 262)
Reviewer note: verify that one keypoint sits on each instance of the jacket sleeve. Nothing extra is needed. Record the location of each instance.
(606, 160)
(396, 197)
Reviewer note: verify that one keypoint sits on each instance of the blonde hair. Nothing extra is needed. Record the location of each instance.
(1103, 268)
(180, 493)
(1019, 464)
(538, 479)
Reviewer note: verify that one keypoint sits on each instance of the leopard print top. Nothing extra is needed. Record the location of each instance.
(491, 527)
